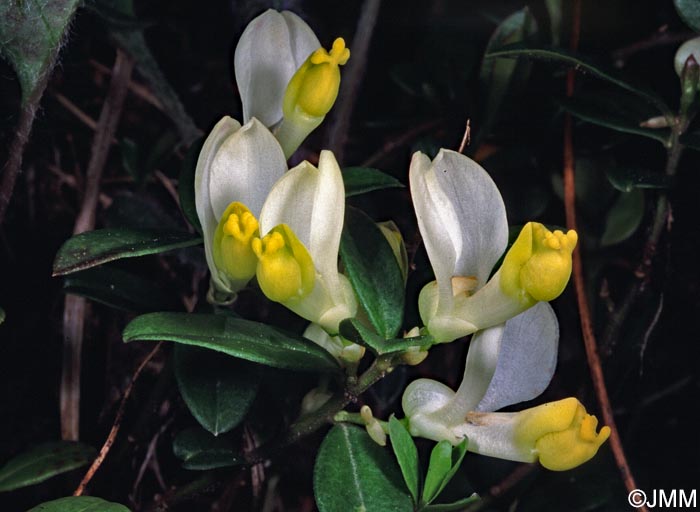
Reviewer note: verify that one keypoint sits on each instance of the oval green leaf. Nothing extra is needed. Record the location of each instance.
(624, 218)
(360, 180)
(353, 473)
(79, 504)
(560, 56)
(374, 272)
(94, 248)
(217, 389)
(236, 337)
(42, 462)
(119, 289)
(689, 11)
(445, 460)
(199, 450)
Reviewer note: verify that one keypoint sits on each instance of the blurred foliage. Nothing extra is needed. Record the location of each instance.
(426, 76)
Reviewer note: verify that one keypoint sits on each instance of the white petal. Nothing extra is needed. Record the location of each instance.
(312, 202)
(480, 214)
(527, 358)
(244, 169)
(272, 47)
(223, 129)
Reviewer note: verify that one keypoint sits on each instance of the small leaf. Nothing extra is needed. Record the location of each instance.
(455, 506)
(560, 56)
(236, 337)
(498, 76)
(604, 112)
(217, 389)
(353, 330)
(445, 460)
(626, 179)
(2, 316)
(624, 218)
(94, 248)
(185, 185)
(375, 274)
(42, 462)
(199, 450)
(406, 454)
(30, 37)
(79, 504)
(119, 289)
(354, 473)
(555, 10)
(689, 11)
(359, 180)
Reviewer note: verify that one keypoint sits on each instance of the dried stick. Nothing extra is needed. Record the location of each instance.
(115, 426)
(589, 339)
(74, 307)
(352, 78)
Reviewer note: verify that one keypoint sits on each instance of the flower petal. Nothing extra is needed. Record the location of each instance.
(222, 130)
(527, 358)
(244, 169)
(272, 47)
(311, 201)
(481, 215)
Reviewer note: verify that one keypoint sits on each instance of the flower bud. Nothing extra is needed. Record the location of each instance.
(686, 50)
(538, 265)
(232, 250)
(311, 93)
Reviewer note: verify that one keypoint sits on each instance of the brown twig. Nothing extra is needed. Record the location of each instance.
(115, 426)
(137, 89)
(352, 78)
(74, 307)
(589, 339)
(503, 487)
(467, 137)
(659, 38)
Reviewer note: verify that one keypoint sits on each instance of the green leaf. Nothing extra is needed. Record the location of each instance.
(79, 504)
(353, 330)
(455, 506)
(42, 462)
(185, 185)
(353, 473)
(498, 76)
(371, 266)
(94, 248)
(626, 179)
(119, 289)
(31, 32)
(603, 111)
(217, 389)
(445, 460)
(560, 56)
(236, 337)
(624, 218)
(199, 450)
(359, 180)
(406, 454)
(689, 11)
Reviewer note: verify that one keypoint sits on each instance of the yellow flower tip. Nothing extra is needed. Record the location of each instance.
(314, 87)
(338, 56)
(232, 250)
(538, 265)
(561, 433)
(285, 269)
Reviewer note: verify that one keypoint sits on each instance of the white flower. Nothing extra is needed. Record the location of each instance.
(236, 169)
(462, 220)
(505, 365)
(302, 220)
(270, 51)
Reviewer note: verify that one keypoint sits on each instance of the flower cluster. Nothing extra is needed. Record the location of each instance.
(283, 227)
